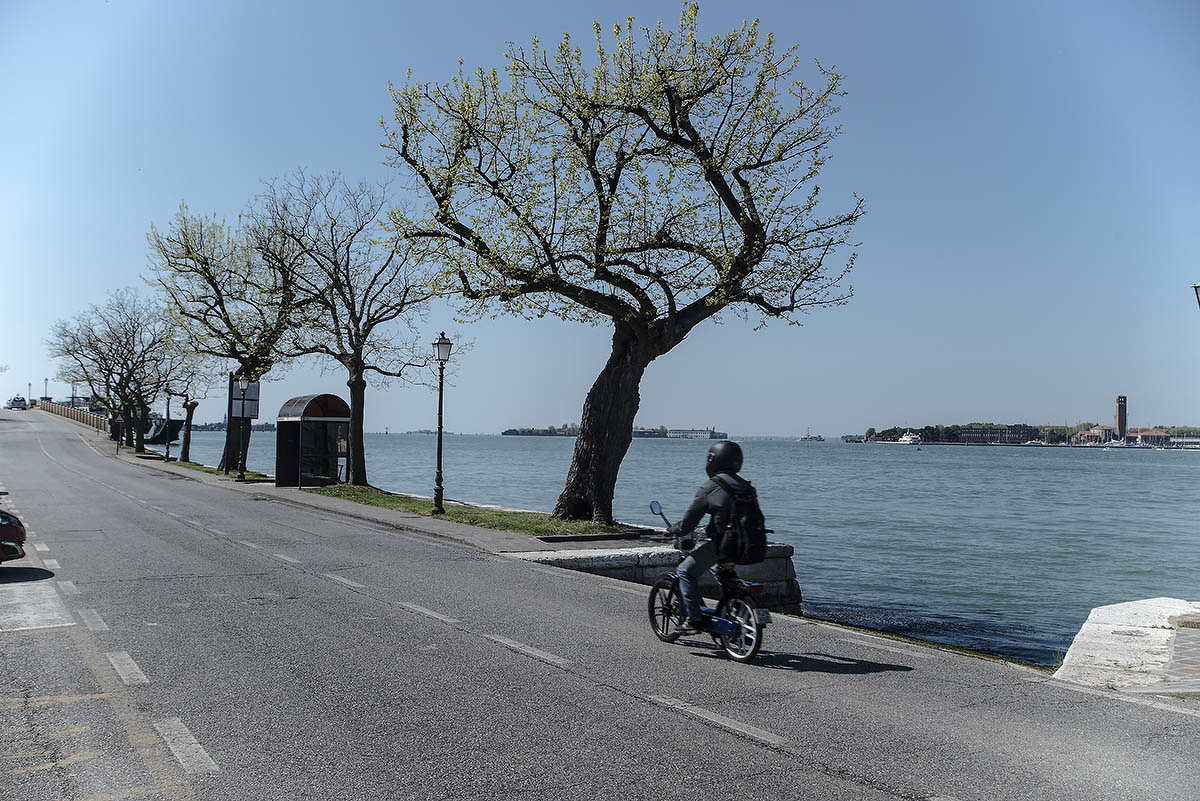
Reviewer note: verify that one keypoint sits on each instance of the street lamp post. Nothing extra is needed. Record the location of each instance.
(441, 352)
(243, 384)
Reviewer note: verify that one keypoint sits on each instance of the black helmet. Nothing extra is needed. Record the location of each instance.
(723, 457)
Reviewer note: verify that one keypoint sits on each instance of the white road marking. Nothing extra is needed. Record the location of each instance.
(905, 651)
(26, 606)
(345, 581)
(761, 735)
(420, 610)
(189, 753)
(286, 558)
(68, 588)
(91, 618)
(250, 545)
(1110, 695)
(41, 546)
(30, 532)
(528, 650)
(51, 564)
(126, 668)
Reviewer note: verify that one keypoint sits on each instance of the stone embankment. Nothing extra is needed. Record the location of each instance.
(647, 564)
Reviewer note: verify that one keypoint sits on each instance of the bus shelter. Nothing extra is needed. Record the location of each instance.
(312, 441)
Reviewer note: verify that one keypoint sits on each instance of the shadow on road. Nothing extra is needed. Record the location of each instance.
(14, 575)
(813, 663)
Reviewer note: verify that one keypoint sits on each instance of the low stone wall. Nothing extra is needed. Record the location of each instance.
(96, 421)
(645, 565)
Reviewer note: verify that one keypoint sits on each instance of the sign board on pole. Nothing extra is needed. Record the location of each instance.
(243, 404)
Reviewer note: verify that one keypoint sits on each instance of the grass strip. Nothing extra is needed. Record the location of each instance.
(251, 475)
(532, 523)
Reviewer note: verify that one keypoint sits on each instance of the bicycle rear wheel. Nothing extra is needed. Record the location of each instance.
(743, 644)
(666, 609)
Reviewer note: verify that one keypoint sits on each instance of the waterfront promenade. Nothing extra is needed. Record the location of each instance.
(205, 639)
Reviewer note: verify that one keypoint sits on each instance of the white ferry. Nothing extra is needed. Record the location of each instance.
(910, 439)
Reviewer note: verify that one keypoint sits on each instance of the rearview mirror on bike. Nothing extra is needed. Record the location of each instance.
(655, 508)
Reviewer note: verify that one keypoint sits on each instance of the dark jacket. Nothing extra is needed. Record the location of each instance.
(712, 499)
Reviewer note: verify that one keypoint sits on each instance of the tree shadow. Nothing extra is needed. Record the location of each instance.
(16, 575)
(812, 662)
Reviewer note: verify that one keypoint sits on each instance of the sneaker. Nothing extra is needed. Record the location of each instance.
(695, 626)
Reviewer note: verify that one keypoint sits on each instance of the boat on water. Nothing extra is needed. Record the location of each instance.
(909, 438)
(810, 437)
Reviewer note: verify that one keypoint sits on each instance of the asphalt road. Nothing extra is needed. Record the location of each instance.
(170, 639)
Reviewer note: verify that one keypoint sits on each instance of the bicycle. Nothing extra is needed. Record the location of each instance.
(736, 624)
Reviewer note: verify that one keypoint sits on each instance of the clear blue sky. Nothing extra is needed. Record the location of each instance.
(1032, 172)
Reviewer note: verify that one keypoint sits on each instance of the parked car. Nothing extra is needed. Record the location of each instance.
(12, 537)
(17, 402)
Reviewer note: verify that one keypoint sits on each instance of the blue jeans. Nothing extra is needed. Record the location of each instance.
(701, 558)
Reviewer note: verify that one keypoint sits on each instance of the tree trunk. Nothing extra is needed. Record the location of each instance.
(130, 425)
(237, 443)
(358, 457)
(605, 431)
(189, 408)
(139, 429)
(244, 441)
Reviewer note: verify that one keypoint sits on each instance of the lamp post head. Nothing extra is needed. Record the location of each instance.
(441, 348)
(243, 383)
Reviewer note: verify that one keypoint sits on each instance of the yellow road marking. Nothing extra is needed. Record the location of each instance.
(71, 760)
(131, 792)
(46, 700)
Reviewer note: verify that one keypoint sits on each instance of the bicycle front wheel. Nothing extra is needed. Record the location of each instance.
(666, 609)
(743, 644)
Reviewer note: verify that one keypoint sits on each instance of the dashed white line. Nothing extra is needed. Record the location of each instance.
(189, 753)
(51, 564)
(126, 668)
(286, 558)
(345, 581)
(528, 650)
(253, 545)
(420, 610)
(41, 546)
(92, 620)
(761, 735)
(68, 588)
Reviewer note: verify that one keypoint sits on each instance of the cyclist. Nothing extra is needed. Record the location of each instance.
(724, 460)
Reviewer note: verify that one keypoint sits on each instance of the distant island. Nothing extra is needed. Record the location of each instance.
(1024, 434)
(662, 432)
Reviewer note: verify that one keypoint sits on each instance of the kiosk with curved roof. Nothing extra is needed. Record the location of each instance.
(312, 441)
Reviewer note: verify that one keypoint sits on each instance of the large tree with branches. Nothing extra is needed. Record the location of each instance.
(363, 290)
(650, 188)
(231, 292)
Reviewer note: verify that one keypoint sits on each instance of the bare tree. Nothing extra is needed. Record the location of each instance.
(119, 349)
(669, 179)
(230, 298)
(363, 290)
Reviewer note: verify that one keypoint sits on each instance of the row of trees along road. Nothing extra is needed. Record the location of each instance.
(303, 273)
(665, 181)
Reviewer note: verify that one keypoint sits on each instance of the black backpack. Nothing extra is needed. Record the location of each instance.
(745, 541)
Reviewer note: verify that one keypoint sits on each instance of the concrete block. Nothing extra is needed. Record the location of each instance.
(1125, 645)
